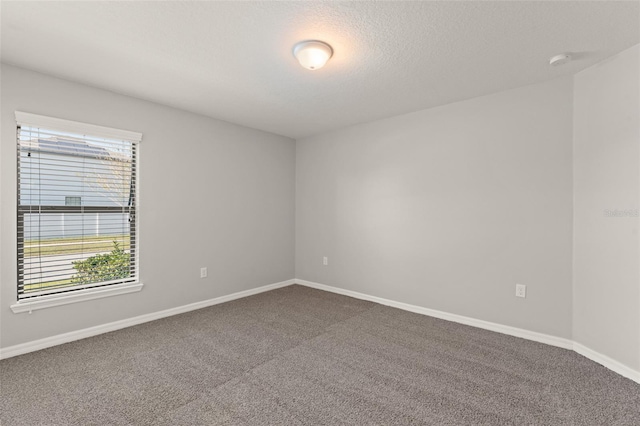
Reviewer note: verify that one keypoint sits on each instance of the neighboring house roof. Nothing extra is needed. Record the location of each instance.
(71, 146)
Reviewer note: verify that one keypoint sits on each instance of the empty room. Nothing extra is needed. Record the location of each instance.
(320, 213)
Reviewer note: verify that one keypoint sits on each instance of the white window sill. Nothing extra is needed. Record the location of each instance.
(43, 302)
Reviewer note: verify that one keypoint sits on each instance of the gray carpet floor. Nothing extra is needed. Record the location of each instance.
(298, 356)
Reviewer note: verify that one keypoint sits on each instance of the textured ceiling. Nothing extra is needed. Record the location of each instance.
(233, 61)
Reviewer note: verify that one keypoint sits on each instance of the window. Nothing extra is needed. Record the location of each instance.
(72, 201)
(77, 206)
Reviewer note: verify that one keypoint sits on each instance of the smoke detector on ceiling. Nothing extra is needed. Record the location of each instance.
(560, 59)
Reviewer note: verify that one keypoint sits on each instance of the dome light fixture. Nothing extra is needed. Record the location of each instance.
(312, 54)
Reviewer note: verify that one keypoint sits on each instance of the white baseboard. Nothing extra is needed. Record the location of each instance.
(504, 329)
(47, 342)
(500, 328)
(607, 362)
(603, 360)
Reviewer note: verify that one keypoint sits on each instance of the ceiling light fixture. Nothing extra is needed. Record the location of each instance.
(312, 54)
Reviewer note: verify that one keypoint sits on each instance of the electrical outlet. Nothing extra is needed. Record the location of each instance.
(203, 272)
(521, 290)
(325, 261)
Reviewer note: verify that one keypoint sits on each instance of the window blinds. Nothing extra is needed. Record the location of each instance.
(77, 198)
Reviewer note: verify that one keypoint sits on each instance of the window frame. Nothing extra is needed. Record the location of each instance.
(82, 292)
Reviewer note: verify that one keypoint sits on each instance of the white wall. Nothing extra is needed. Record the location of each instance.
(606, 292)
(448, 208)
(212, 194)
